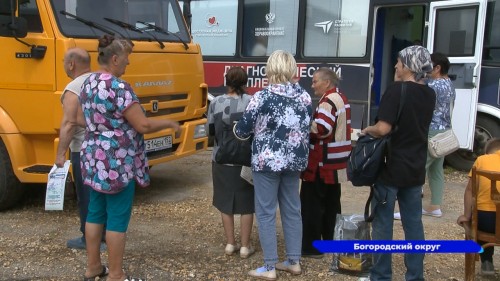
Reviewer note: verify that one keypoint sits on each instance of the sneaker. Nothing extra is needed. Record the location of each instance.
(230, 249)
(487, 268)
(80, 244)
(289, 266)
(397, 216)
(436, 213)
(265, 273)
(245, 252)
(76, 243)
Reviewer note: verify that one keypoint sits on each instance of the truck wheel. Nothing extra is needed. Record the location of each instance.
(11, 189)
(486, 128)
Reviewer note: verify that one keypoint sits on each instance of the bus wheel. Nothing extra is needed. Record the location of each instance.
(486, 128)
(11, 189)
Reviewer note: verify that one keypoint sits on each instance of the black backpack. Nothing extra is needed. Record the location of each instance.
(368, 157)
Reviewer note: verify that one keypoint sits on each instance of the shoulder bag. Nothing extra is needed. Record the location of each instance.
(443, 143)
(233, 150)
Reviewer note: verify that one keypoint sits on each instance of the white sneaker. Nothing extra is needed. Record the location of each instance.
(397, 216)
(230, 249)
(294, 269)
(436, 213)
(246, 252)
(265, 273)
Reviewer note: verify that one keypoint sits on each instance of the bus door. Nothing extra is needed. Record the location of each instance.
(456, 29)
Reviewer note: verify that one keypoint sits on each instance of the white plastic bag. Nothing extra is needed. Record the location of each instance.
(54, 196)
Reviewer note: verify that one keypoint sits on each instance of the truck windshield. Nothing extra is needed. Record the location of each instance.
(142, 14)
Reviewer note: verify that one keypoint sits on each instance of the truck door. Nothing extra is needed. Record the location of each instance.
(456, 29)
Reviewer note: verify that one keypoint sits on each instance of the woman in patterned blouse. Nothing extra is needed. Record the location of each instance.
(113, 157)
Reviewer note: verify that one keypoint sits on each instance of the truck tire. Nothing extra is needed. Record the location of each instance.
(11, 190)
(486, 128)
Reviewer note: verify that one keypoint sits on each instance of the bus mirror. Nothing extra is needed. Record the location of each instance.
(13, 27)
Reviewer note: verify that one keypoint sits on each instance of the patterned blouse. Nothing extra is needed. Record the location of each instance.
(445, 95)
(279, 116)
(224, 110)
(112, 152)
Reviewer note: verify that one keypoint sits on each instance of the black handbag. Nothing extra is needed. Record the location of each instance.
(233, 150)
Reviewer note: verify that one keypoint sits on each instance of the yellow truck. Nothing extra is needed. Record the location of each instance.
(166, 71)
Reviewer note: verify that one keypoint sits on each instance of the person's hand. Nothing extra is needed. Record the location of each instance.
(60, 161)
(462, 219)
(175, 125)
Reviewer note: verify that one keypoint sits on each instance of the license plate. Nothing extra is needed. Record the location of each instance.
(158, 143)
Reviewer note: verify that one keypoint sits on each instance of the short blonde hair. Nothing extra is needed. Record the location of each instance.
(281, 67)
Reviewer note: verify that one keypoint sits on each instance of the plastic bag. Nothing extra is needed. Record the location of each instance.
(54, 196)
(352, 227)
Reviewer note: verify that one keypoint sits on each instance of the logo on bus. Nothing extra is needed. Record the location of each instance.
(326, 25)
(270, 17)
(211, 20)
(154, 106)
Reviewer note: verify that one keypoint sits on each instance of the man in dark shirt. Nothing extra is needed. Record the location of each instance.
(404, 173)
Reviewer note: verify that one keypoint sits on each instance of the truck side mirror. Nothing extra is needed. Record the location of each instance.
(13, 26)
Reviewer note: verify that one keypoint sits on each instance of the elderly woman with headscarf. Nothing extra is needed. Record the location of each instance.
(404, 174)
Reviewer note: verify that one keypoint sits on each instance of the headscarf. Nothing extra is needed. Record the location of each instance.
(417, 59)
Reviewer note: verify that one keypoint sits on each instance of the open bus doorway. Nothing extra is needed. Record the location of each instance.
(396, 27)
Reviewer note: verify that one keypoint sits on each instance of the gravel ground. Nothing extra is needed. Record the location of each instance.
(176, 234)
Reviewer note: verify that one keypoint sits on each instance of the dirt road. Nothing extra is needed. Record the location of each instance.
(176, 234)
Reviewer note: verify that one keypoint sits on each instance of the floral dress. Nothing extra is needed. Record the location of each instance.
(112, 152)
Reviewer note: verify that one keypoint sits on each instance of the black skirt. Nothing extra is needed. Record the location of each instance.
(232, 194)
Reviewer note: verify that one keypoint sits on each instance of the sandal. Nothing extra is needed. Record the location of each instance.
(134, 279)
(104, 272)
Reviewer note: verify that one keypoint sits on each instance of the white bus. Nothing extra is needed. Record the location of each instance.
(360, 40)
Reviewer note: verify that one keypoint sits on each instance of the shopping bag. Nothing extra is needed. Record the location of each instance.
(56, 183)
(352, 227)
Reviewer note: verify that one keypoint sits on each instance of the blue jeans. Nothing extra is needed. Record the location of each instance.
(272, 188)
(410, 206)
(82, 191)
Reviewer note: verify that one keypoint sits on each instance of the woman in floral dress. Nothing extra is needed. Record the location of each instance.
(112, 156)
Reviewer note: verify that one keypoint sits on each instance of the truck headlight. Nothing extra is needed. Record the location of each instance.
(199, 131)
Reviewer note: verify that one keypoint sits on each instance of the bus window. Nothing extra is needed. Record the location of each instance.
(269, 25)
(29, 11)
(491, 51)
(340, 25)
(214, 26)
(455, 33)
